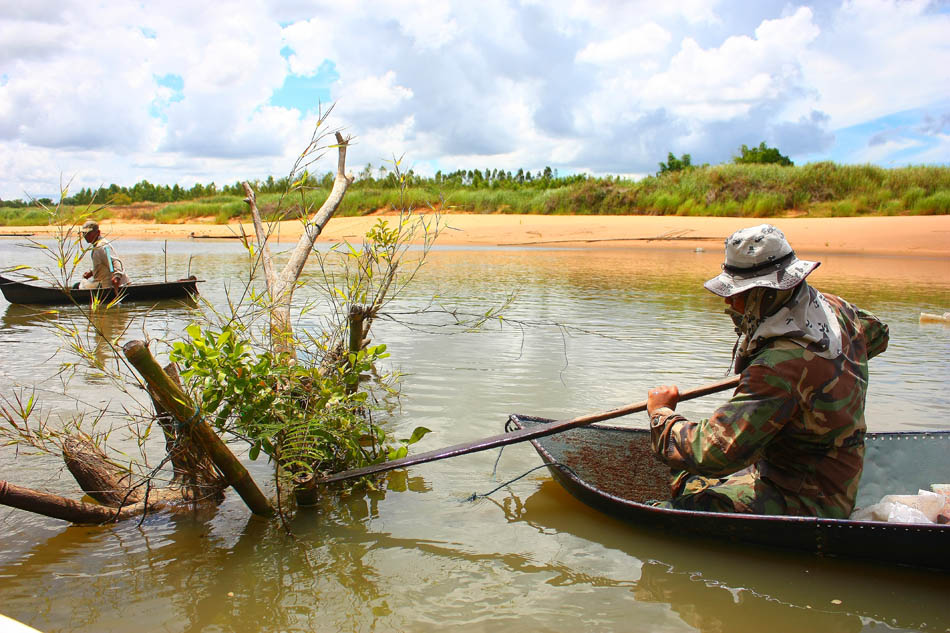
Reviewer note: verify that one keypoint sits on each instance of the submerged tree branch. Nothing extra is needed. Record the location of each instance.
(67, 509)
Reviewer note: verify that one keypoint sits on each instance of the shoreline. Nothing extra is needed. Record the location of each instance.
(914, 236)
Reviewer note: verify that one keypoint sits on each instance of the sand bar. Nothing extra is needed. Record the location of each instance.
(923, 236)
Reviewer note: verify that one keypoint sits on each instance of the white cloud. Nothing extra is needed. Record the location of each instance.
(643, 41)
(880, 151)
(582, 85)
(937, 153)
(373, 93)
(430, 24)
(880, 57)
(311, 41)
(729, 81)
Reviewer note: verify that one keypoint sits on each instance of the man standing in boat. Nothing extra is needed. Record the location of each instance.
(107, 269)
(791, 439)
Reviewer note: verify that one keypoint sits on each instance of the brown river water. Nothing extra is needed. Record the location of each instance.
(590, 330)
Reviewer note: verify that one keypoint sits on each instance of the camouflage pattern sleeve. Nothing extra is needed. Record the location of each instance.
(876, 334)
(737, 433)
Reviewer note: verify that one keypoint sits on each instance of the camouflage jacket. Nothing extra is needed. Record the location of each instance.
(797, 417)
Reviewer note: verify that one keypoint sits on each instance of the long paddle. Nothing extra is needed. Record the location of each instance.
(521, 435)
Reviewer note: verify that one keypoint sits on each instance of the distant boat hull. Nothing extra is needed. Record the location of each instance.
(21, 293)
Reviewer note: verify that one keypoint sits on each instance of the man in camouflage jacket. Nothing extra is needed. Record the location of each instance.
(791, 439)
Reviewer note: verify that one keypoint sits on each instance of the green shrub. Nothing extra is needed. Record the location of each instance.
(844, 209)
(31, 216)
(892, 207)
(936, 204)
(763, 205)
(667, 203)
(913, 195)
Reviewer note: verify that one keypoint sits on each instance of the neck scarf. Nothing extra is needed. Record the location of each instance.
(800, 314)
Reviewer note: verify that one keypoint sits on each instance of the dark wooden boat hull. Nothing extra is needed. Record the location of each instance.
(613, 469)
(18, 292)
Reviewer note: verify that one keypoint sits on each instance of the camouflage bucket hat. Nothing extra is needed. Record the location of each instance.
(759, 257)
(89, 227)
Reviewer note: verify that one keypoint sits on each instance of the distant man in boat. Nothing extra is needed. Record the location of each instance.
(107, 269)
(791, 439)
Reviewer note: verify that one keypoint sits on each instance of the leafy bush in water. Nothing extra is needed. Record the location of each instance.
(309, 407)
(303, 419)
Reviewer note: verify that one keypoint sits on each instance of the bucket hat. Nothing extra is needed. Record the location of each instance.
(759, 257)
(89, 227)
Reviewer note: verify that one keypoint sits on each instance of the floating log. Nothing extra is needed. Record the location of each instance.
(59, 507)
(176, 402)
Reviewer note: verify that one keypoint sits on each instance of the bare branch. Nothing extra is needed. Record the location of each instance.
(314, 226)
(262, 236)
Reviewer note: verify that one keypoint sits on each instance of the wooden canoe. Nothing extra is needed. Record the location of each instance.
(613, 469)
(19, 292)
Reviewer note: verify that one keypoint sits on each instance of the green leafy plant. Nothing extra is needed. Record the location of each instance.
(763, 154)
(675, 164)
(303, 420)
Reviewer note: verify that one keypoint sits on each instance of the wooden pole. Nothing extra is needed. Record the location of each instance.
(521, 435)
(356, 339)
(176, 402)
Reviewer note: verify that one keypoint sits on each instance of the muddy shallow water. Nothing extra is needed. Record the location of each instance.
(590, 330)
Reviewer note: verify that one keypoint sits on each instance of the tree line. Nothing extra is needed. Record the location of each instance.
(380, 177)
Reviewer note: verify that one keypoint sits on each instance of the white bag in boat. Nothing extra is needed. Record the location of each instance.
(920, 508)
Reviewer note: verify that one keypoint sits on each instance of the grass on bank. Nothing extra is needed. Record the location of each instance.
(760, 191)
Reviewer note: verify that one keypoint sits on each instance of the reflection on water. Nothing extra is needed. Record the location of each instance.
(591, 330)
(723, 587)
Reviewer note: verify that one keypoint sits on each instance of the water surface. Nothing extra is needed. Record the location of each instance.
(590, 330)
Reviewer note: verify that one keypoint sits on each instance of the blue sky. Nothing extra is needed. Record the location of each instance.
(185, 93)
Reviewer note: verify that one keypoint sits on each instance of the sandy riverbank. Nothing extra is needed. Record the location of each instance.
(925, 236)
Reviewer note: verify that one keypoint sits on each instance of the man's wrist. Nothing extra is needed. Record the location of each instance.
(660, 415)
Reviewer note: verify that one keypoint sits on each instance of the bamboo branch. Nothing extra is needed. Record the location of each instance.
(176, 402)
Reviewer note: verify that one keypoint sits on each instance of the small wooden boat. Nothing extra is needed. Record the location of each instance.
(19, 292)
(614, 470)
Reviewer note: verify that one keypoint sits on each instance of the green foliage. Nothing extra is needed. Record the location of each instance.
(675, 164)
(685, 188)
(318, 412)
(935, 204)
(762, 155)
(303, 420)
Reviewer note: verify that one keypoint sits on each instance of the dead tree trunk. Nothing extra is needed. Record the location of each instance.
(280, 286)
(113, 486)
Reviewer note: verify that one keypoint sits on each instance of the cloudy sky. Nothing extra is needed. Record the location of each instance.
(176, 92)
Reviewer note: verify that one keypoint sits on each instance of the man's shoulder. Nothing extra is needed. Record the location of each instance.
(782, 356)
(778, 350)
